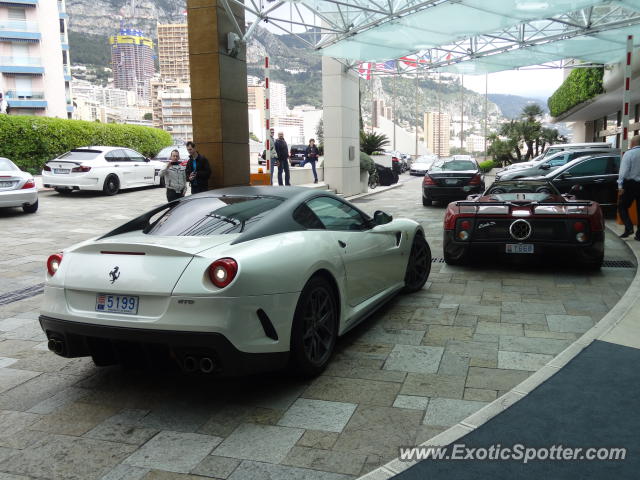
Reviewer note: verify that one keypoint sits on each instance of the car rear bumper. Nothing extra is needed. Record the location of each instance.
(74, 182)
(114, 344)
(436, 192)
(18, 198)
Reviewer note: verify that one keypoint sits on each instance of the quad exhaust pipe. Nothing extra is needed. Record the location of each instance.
(191, 364)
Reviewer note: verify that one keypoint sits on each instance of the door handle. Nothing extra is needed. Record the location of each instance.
(342, 244)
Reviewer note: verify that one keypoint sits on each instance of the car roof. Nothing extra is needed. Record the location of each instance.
(578, 160)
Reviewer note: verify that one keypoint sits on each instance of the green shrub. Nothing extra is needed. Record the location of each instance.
(487, 165)
(580, 85)
(366, 163)
(31, 141)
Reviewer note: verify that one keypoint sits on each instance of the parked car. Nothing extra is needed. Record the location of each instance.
(560, 147)
(421, 164)
(296, 154)
(448, 178)
(17, 188)
(547, 164)
(592, 177)
(192, 281)
(521, 218)
(519, 165)
(109, 169)
(164, 154)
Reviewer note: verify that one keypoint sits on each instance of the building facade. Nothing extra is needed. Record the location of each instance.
(173, 52)
(132, 63)
(35, 75)
(436, 133)
(175, 105)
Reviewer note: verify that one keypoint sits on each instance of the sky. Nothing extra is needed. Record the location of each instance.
(536, 83)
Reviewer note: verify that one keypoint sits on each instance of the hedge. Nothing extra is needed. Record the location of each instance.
(487, 165)
(366, 163)
(580, 85)
(31, 141)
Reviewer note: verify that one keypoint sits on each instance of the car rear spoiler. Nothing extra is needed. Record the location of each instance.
(578, 203)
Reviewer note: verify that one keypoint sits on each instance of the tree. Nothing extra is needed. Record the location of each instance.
(148, 116)
(320, 132)
(372, 142)
(530, 128)
(532, 112)
(550, 136)
(458, 151)
(500, 150)
(253, 137)
(511, 130)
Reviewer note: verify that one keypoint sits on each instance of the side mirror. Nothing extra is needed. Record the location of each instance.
(381, 218)
(146, 159)
(474, 196)
(564, 175)
(545, 166)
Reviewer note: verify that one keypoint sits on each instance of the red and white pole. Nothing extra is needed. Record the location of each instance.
(626, 97)
(267, 114)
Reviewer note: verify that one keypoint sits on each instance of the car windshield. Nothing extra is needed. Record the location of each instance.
(80, 155)
(453, 166)
(213, 216)
(7, 165)
(166, 152)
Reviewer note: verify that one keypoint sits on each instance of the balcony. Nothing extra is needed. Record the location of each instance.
(64, 41)
(61, 10)
(28, 65)
(14, 3)
(19, 30)
(24, 99)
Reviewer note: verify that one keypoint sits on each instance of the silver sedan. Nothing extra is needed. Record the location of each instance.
(17, 188)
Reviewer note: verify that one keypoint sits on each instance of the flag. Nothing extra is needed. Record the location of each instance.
(387, 67)
(449, 57)
(364, 70)
(413, 62)
(184, 12)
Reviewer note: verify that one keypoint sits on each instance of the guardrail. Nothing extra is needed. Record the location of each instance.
(21, 61)
(18, 26)
(24, 95)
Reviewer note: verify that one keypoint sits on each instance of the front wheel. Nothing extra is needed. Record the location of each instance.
(419, 265)
(315, 328)
(111, 185)
(30, 208)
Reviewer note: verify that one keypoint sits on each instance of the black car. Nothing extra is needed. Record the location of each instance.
(593, 177)
(297, 153)
(451, 179)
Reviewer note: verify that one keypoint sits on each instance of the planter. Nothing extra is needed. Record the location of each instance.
(364, 181)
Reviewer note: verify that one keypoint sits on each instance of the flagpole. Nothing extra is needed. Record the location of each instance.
(393, 114)
(462, 112)
(417, 110)
(486, 112)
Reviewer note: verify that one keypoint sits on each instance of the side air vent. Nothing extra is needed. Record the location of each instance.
(267, 326)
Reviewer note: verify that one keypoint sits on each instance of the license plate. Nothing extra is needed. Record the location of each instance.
(519, 248)
(61, 170)
(127, 304)
(451, 181)
(6, 184)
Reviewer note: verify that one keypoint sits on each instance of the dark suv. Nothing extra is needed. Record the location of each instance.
(297, 153)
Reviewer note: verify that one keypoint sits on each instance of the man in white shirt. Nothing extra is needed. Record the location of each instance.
(629, 186)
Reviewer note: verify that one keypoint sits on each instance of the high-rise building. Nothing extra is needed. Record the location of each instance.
(132, 62)
(173, 52)
(35, 73)
(436, 132)
(175, 104)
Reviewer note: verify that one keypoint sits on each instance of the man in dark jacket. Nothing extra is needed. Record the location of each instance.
(198, 170)
(282, 150)
(311, 156)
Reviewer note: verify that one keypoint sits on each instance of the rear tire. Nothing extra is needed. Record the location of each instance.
(64, 191)
(315, 328)
(419, 265)
(111, 185)
(427, 202)
(30, 208)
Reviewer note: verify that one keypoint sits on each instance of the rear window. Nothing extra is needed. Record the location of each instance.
(7, 165)
(454, 166)
(213, 216)
(80, 155)
(165, 152)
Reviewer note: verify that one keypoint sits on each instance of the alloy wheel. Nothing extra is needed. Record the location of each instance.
(319, 322)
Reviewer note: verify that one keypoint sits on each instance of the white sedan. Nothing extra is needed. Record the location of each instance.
(421, 164)
(17, 188)
(231, 281)
(107, 169)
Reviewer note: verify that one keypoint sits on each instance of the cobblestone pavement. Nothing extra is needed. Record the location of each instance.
(418, 366)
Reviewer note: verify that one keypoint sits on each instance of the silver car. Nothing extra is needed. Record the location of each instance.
(17, 188)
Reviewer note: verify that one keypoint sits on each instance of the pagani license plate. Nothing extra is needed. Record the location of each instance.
(519, 248)
(127, 304)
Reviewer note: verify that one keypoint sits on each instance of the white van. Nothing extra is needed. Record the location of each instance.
(559, 147)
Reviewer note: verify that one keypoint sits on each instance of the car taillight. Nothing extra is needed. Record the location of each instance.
(394, 159)
(579, 226)
(427, 180)
(475, 180)
(81, 168)
(581, 231)
(30, 184)
(46, 168)
(53, 263)
(223, 271)
(464, 230)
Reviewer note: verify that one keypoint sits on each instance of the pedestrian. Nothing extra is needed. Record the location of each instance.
(175, 177)
(274, 155)
(4, 106)
(198, 170)
(282, 150)
(629, 186)
(311, 156)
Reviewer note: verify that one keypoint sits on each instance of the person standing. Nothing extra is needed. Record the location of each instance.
(175, 177)
(274, 155)
(198, 170)
(282, 150)
(311, 156)
(629, 186)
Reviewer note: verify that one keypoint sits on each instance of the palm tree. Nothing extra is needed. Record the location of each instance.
(372, 142)
(532, 111)
(550, 136)
(529, 132)
(531, 114)
(511, 130)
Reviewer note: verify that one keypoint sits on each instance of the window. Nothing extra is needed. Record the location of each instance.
(593, 166)
(615, 164)
(336, 215)
(134, 156)
(17, 14)
(558, 161)
(305, 217)
(80, 155)
(116, 156)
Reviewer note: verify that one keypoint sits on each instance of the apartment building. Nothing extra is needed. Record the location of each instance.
(436, 133)
(132, 62)
(173, 52)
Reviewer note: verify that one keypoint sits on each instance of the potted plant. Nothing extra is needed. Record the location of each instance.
(366, 164)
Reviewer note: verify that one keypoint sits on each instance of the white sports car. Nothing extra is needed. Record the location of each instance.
(109, 169)
(17, 188)
(231, 281)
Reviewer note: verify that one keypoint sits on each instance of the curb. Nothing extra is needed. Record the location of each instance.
(377, 190)
(486, 413)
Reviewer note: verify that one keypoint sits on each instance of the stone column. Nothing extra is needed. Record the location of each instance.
(218, 92)
(340, 119)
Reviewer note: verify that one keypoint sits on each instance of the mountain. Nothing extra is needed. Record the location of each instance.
(511, 105)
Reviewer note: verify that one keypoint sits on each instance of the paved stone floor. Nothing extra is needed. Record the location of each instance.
(416, 367)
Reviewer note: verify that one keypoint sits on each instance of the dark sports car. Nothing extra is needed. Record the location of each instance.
(451, 178)
(524, 217)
